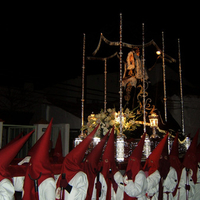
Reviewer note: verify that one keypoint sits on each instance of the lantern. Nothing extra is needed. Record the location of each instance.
(120, 149)
(147, 146)
(153, 118)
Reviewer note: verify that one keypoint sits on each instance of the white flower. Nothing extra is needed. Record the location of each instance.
(98, 116)
(98, 121)
(107, 125)
(109, 110)
(127, 111)
(108, 118)
(112, 122)
(103, 116)
(105, 130)
(98, 133)
(90, 129)
(132, 122)
(88, 124)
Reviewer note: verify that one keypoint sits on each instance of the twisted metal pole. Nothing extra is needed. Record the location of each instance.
(83, 85)
(181, 89)
(143, 72)
(164, 76)
(105, 84)
(120, 81)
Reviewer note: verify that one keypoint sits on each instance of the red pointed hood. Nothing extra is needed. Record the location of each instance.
(72, 162)
(35, 146)
(152, 161)
(164, 163)
(134, 161)
(175, 162)
(8, 153)
(92, 160)
(108, 162)
(108, 158)
(39, 164)
(40, 157)
(90, 165)
(58, 148)
(174, 149)
(190, 159)
(173, 157)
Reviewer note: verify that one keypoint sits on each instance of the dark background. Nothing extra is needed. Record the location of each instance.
(41, 44)
(44, 44)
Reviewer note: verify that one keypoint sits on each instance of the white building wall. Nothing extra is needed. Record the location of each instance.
(61, 116)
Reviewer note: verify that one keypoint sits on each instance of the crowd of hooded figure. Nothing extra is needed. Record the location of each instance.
(96, 176)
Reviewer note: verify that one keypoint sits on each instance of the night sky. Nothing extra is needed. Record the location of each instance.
(44, 45)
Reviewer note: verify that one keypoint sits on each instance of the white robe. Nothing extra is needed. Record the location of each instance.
(46, 189)
(103, 188)
(18, 183)
(169, 184)
(138, 188)
(197, 185)
(119, 195)
(153, 185)
(79, 185)
(7, 190)
(181, 191)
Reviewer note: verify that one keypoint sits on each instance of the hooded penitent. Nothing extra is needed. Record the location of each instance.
(134, 162)
(90, 165)
(164, 167)
(175, 162)
(190, 159)
(72, 161)
(8, 153)
(152, 162)
(39, 165)
(108, 163)
(57, 154)
(164, 163)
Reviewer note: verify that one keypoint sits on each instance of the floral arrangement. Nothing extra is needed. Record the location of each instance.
(109, 119)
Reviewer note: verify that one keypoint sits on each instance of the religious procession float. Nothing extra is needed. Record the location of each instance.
(136, 113)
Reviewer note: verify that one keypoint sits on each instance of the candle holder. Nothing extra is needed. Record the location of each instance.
(153, 118)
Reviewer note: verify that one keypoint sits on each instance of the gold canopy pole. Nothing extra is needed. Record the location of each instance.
(120, 138)
(83, 86)
(143, 71)
(105, 84)
(164, 76)
(120, 81)
(181, 89)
